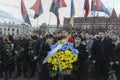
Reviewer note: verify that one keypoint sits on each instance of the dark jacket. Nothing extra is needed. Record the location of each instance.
(23, 43)
(1, 45)
(102, 50)
(82, 72)
(83, 55)
(117, 53)
(38, 44)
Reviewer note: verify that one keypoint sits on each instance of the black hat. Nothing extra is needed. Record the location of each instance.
(77, 36)
(49, 36)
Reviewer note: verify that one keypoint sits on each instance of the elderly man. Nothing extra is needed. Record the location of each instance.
(21, 52)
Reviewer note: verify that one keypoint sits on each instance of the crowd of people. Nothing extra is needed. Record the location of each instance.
(25, 54)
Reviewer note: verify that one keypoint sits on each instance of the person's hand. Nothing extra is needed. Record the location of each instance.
(111, 63)
(16, 52)
(7, 50)
(117, 62)
(93, 61)
(32, 51)
(22, 49)
(35, 57)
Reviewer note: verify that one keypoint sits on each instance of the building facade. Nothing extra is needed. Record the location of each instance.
(15, 29)
(94, 24)
(49, 28)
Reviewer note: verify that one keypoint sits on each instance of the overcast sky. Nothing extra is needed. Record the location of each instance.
(10, 10)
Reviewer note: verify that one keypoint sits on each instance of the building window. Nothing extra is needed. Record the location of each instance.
(4, 29)
(8, 33)
(12, 29)
(17, 33)
(0, 30)
(12, 34)
(8, 29)
(17, 30)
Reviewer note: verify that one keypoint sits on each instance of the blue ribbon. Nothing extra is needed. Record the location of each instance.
(62, 46)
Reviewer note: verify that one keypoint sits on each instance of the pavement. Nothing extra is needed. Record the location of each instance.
(35, 77)
(21, 78)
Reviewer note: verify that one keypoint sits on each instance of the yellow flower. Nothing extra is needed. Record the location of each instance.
(68, 52)
(63, 60)
(49, 60)
(54, 61)
(70, 66)
(54, 68)
(74, 57)
(63, 66)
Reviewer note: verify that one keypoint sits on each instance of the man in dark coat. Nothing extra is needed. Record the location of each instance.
(116, 59)
(21, 52)
(37, 47)
(101, 56)
(116, 56)
(1, 52)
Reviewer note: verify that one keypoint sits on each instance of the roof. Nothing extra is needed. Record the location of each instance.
(114, 15)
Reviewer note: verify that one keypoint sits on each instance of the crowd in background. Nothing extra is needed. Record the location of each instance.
(24, 55)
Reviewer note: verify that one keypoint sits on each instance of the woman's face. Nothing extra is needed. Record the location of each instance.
(77, 40)
(49, 40)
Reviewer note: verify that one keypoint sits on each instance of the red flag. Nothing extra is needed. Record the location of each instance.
(62, 3)
(37, 7)
(86, 7)
(56, 4)
(24, 13)
(97, 5)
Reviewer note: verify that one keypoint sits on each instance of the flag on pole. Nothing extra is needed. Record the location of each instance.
(24, 13)
(62, 3)
(37, 7)
(72, 13)
(56, 4)
(97, 5)
(86, 7)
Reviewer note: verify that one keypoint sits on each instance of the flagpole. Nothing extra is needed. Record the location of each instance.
(93, 22)
(57, 23)
(37, 21)
(83, 12)
(49, 19)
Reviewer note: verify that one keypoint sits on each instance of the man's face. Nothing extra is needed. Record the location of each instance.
(64, 33)
(58, 34)
(21, 36)
(114, 38)
(102, 35)
(87, 36)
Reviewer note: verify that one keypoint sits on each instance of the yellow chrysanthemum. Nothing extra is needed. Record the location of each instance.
(54, 68)
(63, 60)
(54, 61)
(70, 66)
(74, 57)
(49, 60)
(68, 52)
